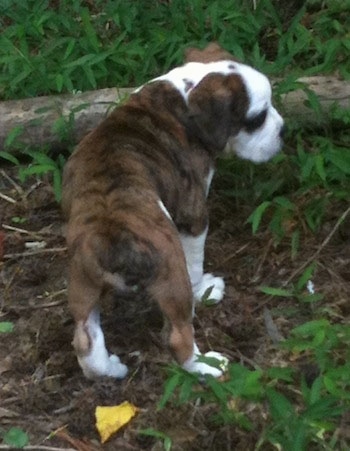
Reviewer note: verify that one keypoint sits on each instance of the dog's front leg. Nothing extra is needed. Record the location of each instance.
(193, 247)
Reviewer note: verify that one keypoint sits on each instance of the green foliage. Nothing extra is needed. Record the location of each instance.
(315, 177)
(16, 438)
(295, 431)
(43, 164)
(301, 290)
(167, 442)
(243, 384)
(78, 45)
(299, 415)
(6, 327)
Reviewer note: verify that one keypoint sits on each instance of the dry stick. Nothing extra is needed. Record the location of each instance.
(37, 252)
(18, 230)
(234, 254)
(38, 233)
(262, 261)
(32, 188)
(8, 198)
(37, 447)
(16, 308)
(323, 245)
(18, 188)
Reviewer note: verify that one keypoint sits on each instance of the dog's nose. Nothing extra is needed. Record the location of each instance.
(283, 131)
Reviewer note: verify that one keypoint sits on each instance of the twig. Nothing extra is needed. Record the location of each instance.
(8, 198)
(38, 234)
(36, 252)
(234, 254)
(17, 229)
(271, 327)
(17, 308)
(64, 409)
(33, 188)
(38, 447)
(13, 183)
(262, 261)
(322, 246)
(51, 304)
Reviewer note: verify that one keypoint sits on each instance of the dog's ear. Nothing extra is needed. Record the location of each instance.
(216, 108)
(212, 52)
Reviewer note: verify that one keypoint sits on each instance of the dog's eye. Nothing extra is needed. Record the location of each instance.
(255, 122)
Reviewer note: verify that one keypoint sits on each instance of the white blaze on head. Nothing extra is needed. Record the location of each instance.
(186, 78)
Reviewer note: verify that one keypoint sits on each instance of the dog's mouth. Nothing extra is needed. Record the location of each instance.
(252, 148)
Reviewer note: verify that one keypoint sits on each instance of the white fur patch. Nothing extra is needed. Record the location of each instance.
(211, 287)
(98, 362)
(191, 74)
(262, 144)
(193, 247)
(163, 208)
(193, 366)
(185, 78)
(209, 179)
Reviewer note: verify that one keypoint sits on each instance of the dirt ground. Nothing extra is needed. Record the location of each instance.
(42, 389)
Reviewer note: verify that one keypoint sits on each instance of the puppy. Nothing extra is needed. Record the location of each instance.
(134, 197)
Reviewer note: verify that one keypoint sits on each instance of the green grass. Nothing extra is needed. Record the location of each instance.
(77, 45)
(291, 412)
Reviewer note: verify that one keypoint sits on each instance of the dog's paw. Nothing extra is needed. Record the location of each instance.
(215, 364)
(115, 368)
(105, 365)
(210, 289)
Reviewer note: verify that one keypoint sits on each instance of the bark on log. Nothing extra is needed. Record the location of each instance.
(36, 117)
(329, 90)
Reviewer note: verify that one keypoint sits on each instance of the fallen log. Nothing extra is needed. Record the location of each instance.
(53, 120)
(62, 120)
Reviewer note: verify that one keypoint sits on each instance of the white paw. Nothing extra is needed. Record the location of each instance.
(116, 368)
(210, 289)
(104, 365)
(216, 368)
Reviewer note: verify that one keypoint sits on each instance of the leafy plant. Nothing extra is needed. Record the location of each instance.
(302, 290)
(242, 383)
(16, 438)
(6, 327)
(167, 442)
(297, 418)
(43, 164)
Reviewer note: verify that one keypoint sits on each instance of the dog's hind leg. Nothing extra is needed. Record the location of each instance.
(173, 292)
(89, 342)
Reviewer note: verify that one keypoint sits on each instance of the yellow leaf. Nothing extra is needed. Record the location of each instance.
(110, 419)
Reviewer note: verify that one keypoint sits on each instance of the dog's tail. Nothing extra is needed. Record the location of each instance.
(122, 261)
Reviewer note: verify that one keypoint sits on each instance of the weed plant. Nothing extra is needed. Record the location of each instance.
(298, 414)
(52, 47)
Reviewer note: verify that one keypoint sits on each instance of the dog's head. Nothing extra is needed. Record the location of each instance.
(230, 104)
